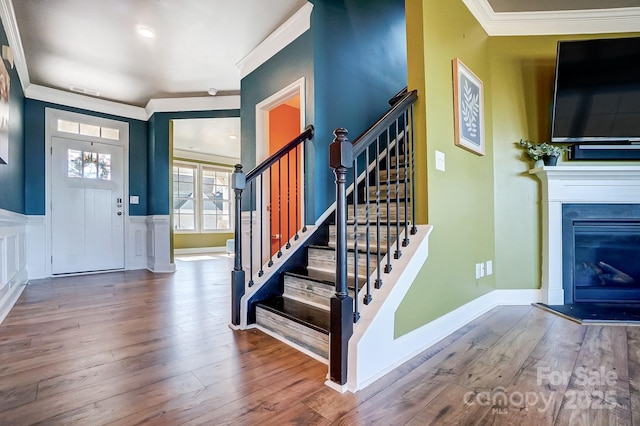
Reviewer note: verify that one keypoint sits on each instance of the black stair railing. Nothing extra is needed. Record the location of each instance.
(272, 176)
(383, 163)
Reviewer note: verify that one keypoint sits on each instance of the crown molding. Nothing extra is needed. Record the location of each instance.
(203, 103)
(290, 30)
(591, 21)
(61, 97)
(8, 17)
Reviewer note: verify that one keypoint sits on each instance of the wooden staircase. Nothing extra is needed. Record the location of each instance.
(300, 316)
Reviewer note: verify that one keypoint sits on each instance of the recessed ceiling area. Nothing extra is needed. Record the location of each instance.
(96, 45)
(217, 138)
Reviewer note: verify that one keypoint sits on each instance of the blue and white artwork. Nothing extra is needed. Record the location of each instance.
(469, 115)
(470, 110)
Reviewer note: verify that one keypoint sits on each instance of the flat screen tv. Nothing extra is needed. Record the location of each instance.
(597, 91)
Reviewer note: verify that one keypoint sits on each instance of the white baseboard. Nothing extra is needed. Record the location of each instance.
(200, 250)
(408, 346)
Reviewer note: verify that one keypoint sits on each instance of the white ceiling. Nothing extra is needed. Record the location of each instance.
(198, 43)
(94, 44)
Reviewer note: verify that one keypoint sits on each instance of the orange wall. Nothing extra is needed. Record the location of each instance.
(284, 125)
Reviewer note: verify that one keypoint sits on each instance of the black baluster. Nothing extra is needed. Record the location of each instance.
(279, 210)
(356, 287)
(261, 271)
(288, 200)
(270, 264)
(367, 296)
(297, 196)
(405, 150)
(398, 253)
(387, 267)
(251, 207)
(378, 282)
(414, 229)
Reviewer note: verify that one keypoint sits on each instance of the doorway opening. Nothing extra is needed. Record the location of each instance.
(279, 119)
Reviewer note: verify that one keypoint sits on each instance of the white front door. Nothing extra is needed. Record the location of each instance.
(87, 208)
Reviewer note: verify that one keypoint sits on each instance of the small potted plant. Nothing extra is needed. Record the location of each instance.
(542, 153)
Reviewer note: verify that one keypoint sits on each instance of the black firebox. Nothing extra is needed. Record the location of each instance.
(601, 253)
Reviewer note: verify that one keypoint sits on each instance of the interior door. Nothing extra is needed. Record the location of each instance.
(87, 206)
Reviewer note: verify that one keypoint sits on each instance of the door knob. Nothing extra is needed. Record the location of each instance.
(119, 213)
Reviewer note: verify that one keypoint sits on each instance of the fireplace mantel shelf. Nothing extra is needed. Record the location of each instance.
(588, 172)
(576, 184)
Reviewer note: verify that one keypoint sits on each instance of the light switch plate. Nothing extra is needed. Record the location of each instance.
(134, 199)
(440, 161)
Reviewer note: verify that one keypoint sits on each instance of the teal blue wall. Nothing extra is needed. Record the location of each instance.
(360, 62)
(12, 174)
(159, 157)
(34, 138)
(354, 60)
(286, 67)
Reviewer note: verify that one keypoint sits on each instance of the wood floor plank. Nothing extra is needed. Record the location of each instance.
(633, 353)
(598, 392)
(500, 363)
(536, 392)
(135, 347)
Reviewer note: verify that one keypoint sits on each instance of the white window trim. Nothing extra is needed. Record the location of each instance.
(199, 219)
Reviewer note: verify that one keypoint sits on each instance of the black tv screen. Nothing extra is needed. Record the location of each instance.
(597, 91)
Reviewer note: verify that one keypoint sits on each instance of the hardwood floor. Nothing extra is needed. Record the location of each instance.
(129, 348)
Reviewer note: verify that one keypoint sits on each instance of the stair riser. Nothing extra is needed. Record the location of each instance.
(393, 216)
(362, 241)
(310, 339)
(392, 176)
(308, 291)
(325, 260)
(383, 193)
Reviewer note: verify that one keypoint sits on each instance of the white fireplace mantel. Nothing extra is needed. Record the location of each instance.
(576, 184)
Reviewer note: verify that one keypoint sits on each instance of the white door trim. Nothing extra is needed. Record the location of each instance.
(262, 145)
(51, 131)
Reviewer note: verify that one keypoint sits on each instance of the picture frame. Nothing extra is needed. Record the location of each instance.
(468, 107)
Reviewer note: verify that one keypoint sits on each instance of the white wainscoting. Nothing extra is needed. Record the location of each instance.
(136, 243)
(13, 262)
(159, 244)
(38, 257)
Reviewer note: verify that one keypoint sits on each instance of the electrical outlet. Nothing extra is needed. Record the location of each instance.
(489, 267)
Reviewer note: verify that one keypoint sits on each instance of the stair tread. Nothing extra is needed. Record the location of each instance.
(349, 249)
(302, 313)
(323, 277)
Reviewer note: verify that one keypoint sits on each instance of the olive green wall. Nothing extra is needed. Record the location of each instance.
(181, 241)
(460, 199)
(522, 69)
(482, 208)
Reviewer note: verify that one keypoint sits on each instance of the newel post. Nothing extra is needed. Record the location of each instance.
(238, 183)
(341, 327)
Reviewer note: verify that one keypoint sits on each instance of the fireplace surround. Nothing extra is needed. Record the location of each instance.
(563, 185)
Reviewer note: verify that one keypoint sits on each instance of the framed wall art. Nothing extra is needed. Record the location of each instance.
(468, 107)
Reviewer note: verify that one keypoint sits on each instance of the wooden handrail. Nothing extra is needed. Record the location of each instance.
(262, 167)
(370, 135)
